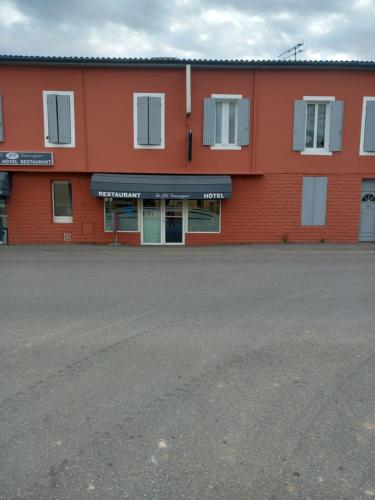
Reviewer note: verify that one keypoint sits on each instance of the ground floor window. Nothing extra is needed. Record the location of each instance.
(62, 202)
(204, 216)
(120, 213)
(3, 223)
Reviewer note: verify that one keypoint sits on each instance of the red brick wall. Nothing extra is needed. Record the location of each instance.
(263, 209)
(268, 209)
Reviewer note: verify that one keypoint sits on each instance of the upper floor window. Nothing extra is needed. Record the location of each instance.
(367, 143)
(59, 128)
(226, 121)
(318, 123)
(149, 121)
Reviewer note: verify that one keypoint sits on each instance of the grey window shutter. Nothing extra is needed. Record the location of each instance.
(142, 120)
(307, 201)
(53, 132)
(1, 120)
(154, 121)
(336, 123)
(369, 133)
(209, 113)
(243, 122)
(314, 201)
(64, 119)
(320, 201)
(299, 125)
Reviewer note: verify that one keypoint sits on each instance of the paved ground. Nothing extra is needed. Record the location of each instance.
(229, 373)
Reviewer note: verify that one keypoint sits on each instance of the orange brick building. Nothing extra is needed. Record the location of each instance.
(168, 151)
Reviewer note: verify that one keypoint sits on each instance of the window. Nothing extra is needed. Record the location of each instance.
(314, 201)
(367, 141)
(318, 124)
(126, 213)
(3, 222)
(62, 202)
(59, 129)
(225, 126)
(367, 197)
(1, 120)
(226, 121)
(204, 216)
(149, 121)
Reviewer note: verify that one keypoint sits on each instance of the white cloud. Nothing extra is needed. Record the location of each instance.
(228, 29)
(327, 24)
(118, 40)
(9, 15)
(217, 17)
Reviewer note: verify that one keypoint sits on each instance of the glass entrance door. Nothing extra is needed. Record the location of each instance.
(151, 233)
(174, 221)
(163, 222)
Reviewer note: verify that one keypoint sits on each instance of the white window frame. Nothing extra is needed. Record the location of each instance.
(48, 144)
(320, 100)
(162, 225)
(227, 98)
(135, 120)
(122, 231)
(363, 121)
(202, 232)
(58, 219)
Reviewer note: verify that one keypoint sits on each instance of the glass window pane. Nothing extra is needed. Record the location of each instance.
(232, 122)
(126, 212)
(3, 216)
(321, 125)
(151, 221)
(62, 198)
(204, 216)
(173, 207)
(310, 125)
(108, 215)
(219, 122)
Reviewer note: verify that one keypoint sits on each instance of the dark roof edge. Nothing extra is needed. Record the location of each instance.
(168, 62)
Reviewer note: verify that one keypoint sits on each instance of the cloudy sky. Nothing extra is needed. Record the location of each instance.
(224, 29)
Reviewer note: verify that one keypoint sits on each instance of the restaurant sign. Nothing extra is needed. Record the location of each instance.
(9, 158)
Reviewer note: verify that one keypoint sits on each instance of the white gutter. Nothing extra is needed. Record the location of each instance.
(188, 89)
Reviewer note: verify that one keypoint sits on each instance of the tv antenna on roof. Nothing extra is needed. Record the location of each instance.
(293, 51)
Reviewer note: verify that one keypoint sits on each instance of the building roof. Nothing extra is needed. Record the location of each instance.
(174, 62)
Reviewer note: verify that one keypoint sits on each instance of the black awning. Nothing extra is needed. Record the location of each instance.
(4, 184)
(186, 187)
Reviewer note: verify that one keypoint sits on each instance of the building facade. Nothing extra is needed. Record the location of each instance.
(168, 151)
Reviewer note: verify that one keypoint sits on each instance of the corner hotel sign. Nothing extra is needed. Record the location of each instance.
(10, 158)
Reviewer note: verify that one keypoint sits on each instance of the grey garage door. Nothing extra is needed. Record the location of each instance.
(367, 227)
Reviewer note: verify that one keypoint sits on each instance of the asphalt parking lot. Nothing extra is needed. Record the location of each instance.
(238, 372)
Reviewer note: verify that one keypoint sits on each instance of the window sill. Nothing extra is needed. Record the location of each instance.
(229, 147)
(316, 152)
(203, 232)
(366, 153)
(145, 146)
(50, 145)
(63, 220)
(111, 232)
